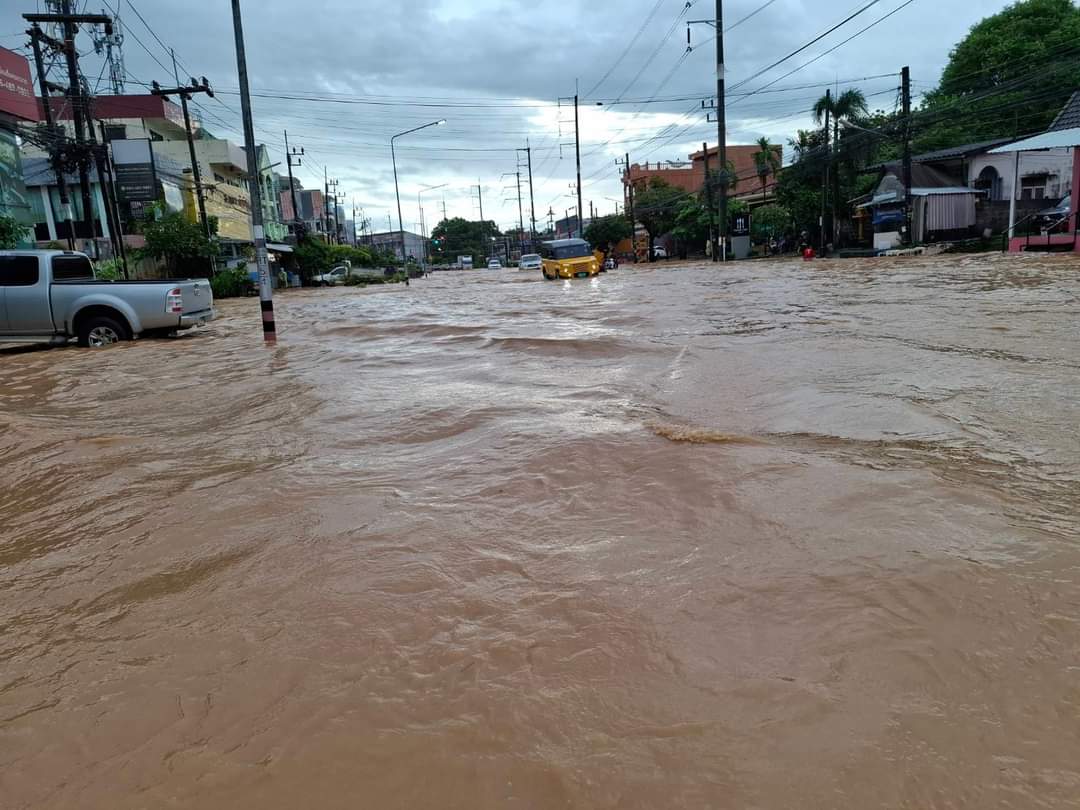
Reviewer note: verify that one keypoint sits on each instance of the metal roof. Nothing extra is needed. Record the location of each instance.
(1069, 117)
(953, 152)
(1055, 139)
(556, 243)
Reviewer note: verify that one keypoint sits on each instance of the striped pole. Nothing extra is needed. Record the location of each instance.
(266, 286)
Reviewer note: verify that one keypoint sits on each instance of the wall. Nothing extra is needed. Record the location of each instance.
(228, 200)
(994, 214)
(1056, 162)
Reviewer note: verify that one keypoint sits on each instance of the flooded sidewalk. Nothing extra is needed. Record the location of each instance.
(766, 535)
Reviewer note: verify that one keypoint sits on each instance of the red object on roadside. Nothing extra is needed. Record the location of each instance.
(807, 254)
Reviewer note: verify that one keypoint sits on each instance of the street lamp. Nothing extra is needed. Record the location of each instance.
(397, 193)
(423, 229)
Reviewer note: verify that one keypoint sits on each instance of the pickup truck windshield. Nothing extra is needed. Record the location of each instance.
(72, 268)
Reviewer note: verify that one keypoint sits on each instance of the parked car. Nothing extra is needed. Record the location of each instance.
(659, 252)
(494, 264)
(531, 261)
(331, 277)
(51, 296)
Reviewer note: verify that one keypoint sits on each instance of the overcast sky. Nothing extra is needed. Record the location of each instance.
(495, 69)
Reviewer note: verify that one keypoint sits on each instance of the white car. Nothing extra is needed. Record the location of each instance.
(331, 277)
(494, 264)
(659, 252)
(531, 261)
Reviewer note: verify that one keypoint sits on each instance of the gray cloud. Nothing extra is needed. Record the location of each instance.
(489, 51)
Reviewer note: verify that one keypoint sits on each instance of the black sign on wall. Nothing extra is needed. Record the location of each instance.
(133, 167)
(740, 225)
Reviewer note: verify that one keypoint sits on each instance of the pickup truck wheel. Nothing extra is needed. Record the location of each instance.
(98, 331)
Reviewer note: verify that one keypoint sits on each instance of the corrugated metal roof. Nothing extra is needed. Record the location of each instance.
(964, 150)
(1069, 117)
(1055, 139)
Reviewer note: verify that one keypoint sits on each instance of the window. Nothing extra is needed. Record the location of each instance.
(18, 271)
(1033, 187)
(70, 268)
(154, 136)
(218, 178)
(115, 133)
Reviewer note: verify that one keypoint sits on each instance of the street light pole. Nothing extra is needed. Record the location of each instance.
(420, 205)
(397, 192)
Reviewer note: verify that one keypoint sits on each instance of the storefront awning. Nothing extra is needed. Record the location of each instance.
(277, 247)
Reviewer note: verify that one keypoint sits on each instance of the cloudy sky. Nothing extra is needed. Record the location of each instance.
(342, 77)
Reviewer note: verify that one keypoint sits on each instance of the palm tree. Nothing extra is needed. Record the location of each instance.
(767, 163)
(849, 106)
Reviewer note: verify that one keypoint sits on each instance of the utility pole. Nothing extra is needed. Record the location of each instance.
(108, 191)
(266, 289)
(521, 221)
(577, 152)
(185, 93)
(354, 242)
(825, 172)
(326, 205)
(78, 114)
(630, 209)
(479, 197)
(532, 199)
(36, 36)
(905, 95)
(290, 154)
(722, 174)
(721, 127)
(709, 200)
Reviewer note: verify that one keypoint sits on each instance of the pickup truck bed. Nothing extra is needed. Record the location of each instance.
(52, 296)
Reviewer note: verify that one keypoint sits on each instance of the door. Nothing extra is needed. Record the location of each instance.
(24, 290)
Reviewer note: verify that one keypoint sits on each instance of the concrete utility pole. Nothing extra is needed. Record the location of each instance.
(266, 288)
(630, 209)
(78, 113)
(577, 152)
(825, 172)
(709, 200)
(290, 154)
(721, 126)
(521, 220)
(185, 96)
(479, 199)
(36, 35)
(532, 198)
(722, 174)
(905, 95)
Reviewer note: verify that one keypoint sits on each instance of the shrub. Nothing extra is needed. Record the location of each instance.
(230, 283)
(109, 270)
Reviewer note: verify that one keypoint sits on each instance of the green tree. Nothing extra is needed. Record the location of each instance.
(1009, 76)
(847, 108)
(692, 221)
(771, 221)
(182, 245)
(606, 232)
(11, 232)
(461, 237)
(767, 162)
(656, 207)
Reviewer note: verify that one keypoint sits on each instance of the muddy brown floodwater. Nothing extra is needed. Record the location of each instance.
(776, 535)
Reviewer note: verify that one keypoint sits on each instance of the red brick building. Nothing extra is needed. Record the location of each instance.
(690, 175)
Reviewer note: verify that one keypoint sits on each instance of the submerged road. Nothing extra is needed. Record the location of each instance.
(777, 535)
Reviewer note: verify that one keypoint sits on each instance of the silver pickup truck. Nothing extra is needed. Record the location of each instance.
(51, 296)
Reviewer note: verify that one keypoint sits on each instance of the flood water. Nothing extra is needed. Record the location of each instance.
(777, 535)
